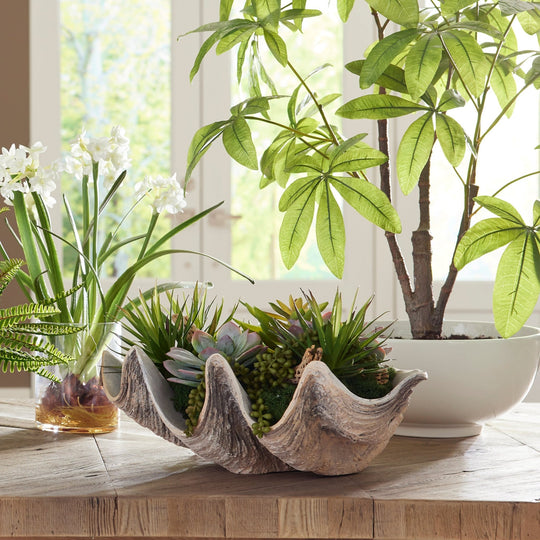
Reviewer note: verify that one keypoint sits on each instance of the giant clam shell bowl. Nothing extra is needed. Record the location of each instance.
(326, 429)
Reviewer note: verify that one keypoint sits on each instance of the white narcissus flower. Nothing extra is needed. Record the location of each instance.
(166, 194)
(99, 148)
(15, 160)
(112, 154)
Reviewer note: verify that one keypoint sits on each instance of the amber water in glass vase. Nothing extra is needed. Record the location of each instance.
(77, 403)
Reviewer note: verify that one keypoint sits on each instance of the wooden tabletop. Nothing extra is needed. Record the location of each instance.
(131, 484)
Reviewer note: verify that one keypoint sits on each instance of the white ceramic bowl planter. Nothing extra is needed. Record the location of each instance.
(326, 429)
(470, 381)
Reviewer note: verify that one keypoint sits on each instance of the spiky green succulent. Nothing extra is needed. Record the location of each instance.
(23, 333)
(159, 327)
(350, 348)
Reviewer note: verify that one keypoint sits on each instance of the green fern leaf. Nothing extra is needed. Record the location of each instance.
(8, 270)
(11, 316)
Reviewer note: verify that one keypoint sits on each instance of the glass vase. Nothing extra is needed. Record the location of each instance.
(76, 403)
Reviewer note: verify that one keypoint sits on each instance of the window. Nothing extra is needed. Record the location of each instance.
(162, 111)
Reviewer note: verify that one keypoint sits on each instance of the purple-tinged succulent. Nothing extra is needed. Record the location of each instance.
(234, 344)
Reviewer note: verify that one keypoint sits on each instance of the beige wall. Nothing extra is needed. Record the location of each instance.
(14, 120)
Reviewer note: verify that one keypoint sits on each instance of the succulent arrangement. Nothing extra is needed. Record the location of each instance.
(267, 356)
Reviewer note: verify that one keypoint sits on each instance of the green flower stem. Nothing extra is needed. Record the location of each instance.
(51, 260)
(149, 232)
(29, 246)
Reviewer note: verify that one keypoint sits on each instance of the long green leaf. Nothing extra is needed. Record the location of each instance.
(484, 237)
(180, 227)
(421, 64)
(451, 137)
(504, 86)
(295, 227)
(369, 201)
(361, 156)
(536, 213)
(403, 12)
(330, 230)
(225, 7)
(296, 191)
(414, 151)
(517, 285)
(468, 59)
(201, 142)
(381, 56)
(240, 35)
(277, 46)
(344, 8)
(239, 144)
(500, 208)
(378, 107)
(450, 99)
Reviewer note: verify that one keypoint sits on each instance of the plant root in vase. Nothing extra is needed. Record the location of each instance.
(77, 407)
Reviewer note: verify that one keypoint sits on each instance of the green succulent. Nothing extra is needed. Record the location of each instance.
(158, 328)
(350, 348)
(23, 334)
(239, 347)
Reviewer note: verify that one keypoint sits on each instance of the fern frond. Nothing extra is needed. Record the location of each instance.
(61, 295)
(8, 270)
(32, 343)
(16, 314)
(48, 329)
(11, 361)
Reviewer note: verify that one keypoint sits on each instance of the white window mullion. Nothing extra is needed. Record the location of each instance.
(186, 113)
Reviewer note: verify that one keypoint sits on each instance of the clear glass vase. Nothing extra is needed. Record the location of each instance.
(77, 403)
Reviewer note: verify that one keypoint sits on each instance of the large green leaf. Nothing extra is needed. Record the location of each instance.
(484, 237)
(381, 56)
(357, 158)
(378, 107)
(517, 284)
(295, 227)
(269, 155)
(414, 151)
(201, 142)
(369, 201)
(450, 99)
(265, 8)
(504, 86)
(403, 12)
(500, 208)
(277, 46)
(297, 190)
(451, 137)
(235, 37)
(422, 63)
(330, 230)
(344, 8)
(225, 7)
(393, 77)
(239, 144)
(281, 163)
(536, 213)
(468, 59)
(530, 21)
(449, 7)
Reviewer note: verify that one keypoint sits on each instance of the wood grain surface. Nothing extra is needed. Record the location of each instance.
(132, 484)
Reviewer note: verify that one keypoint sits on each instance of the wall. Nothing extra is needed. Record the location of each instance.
(14, 123)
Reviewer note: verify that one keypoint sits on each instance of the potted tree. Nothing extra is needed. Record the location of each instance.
(425, 64)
